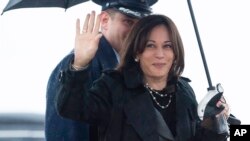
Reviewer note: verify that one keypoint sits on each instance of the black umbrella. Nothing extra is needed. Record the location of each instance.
(15, 4)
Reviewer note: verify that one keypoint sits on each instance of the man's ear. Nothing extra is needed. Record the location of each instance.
(104, 20)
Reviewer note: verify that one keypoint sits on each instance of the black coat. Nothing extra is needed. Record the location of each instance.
(120, 105)
(61, 129)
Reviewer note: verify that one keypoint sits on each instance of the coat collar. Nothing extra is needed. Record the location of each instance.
(132, 77)
(106, 54)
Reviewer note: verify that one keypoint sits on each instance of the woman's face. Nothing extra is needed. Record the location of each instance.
(157, 58)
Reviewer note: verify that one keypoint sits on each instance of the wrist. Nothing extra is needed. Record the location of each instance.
(77, 68)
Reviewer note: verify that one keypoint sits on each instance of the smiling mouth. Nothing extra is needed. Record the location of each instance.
(159, 65)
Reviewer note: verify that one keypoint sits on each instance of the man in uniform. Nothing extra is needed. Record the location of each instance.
(117, 18)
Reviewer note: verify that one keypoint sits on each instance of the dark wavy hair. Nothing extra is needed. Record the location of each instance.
(135, 43)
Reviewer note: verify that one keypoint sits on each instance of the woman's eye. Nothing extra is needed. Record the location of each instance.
(167, 46)
(149, 45)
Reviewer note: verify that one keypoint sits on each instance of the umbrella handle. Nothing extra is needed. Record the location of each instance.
(211, 87)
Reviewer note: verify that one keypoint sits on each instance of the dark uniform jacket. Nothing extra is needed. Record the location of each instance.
(61, 129)
(120, 105)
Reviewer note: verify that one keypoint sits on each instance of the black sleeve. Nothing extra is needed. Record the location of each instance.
(70, 93)
(76, 100)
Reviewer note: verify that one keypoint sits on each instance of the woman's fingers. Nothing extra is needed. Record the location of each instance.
(77, 27)
(86, 22)
(97, 24)
(226, 110)
(91, 22)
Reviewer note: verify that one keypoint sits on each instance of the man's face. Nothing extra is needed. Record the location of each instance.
(118, 27)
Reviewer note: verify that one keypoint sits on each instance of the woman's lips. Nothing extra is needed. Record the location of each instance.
(159, 65)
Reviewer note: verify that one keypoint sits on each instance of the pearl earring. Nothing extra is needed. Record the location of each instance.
(136, 59)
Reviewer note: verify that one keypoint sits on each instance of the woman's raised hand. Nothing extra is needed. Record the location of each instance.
(86, 40)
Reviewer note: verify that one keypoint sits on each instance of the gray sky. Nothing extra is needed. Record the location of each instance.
(33, 41)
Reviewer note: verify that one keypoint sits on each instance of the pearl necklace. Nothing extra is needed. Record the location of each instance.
(152, 92)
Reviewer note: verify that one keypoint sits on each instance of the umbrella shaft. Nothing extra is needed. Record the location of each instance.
(211, 87)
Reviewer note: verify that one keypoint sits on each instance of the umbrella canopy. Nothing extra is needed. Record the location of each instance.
(15, 4)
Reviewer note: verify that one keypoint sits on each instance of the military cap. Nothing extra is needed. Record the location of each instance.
(133, 8)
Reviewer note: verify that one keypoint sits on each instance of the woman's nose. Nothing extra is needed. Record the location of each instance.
(159, 53)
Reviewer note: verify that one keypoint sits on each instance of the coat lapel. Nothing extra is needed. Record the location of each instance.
(141, 115)
(185, 121)
(162, 128)
(145, 119)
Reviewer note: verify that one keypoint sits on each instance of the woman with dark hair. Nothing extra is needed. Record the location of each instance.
(145, 98)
